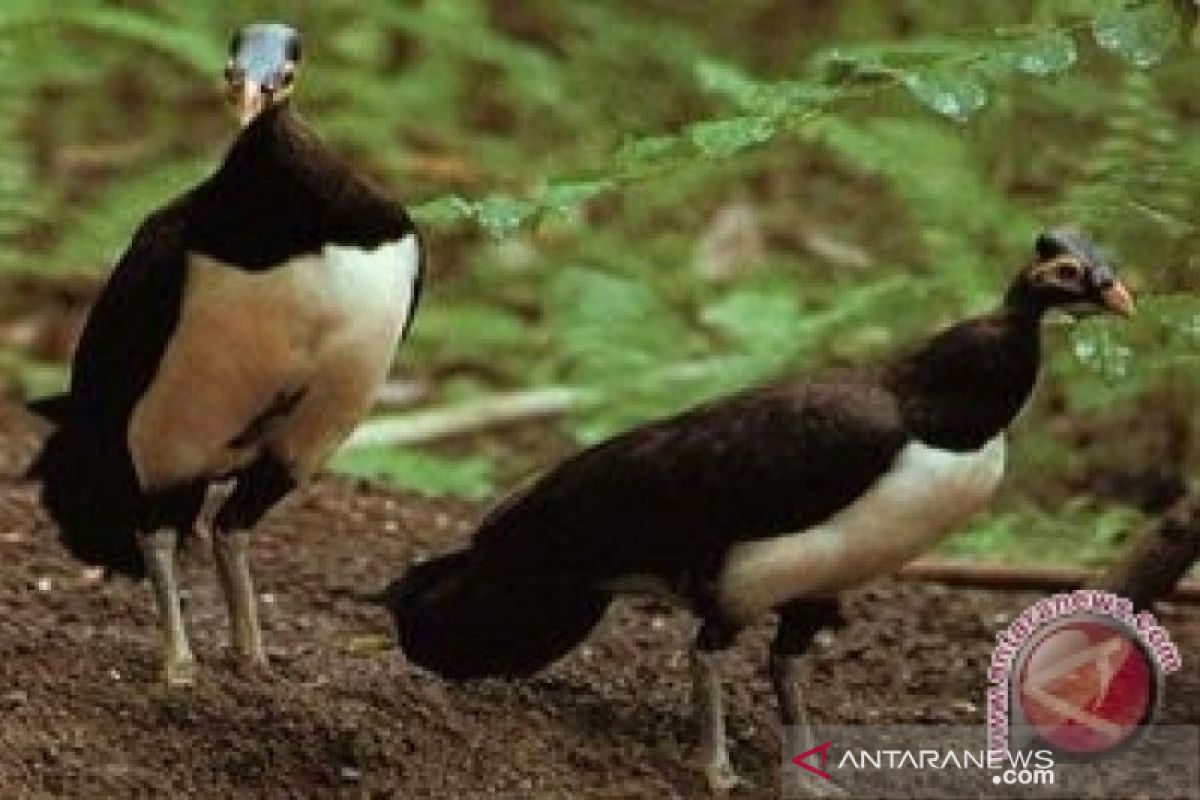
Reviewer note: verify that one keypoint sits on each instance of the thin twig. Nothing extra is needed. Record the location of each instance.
(1003, 577)
(440, 423)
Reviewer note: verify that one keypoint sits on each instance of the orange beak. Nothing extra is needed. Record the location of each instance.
(250, 102)
(1118, 299)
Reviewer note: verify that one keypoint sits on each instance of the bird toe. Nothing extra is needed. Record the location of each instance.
(722, 779)
(179, 674)
(795, 787)
(253, 665)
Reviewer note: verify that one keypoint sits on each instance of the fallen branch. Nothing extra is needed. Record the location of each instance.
(439, 423)
(419, 427)
(1004, 577)
(401, 394)
(1159, 557)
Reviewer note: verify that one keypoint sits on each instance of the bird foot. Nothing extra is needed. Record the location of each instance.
(252, 665)
(721, 777)
(179, 673)
(803, 787)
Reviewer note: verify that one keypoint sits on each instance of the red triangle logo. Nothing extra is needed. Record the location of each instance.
(823, 751)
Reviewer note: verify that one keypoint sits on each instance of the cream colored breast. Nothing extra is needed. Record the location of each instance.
(341, 287)
(923, 497)
(244, 339)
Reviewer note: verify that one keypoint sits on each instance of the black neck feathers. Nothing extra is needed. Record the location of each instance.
(968, 383)
(280, 193)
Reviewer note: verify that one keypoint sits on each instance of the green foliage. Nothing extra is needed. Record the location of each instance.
(471, 477)
(1078, 531)
(1141, 32)
(33, 378)
(568, 161)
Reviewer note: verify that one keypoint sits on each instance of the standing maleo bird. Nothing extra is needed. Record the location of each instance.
(772, 500)
(241, 336)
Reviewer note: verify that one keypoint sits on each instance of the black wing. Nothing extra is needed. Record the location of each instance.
(131, 322)
(89, 485)
(669, 499)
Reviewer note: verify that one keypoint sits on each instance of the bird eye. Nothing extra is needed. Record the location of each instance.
(287, 78)
(232, 73)
(1067, 270)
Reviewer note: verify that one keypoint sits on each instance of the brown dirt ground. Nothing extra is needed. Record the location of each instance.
(81, 714)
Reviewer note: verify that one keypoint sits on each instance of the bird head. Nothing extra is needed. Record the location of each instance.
(1071, 273)
(261, 70)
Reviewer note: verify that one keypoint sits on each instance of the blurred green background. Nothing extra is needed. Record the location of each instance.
(633, 206)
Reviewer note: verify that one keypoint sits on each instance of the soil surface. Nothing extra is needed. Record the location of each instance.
(82, 713)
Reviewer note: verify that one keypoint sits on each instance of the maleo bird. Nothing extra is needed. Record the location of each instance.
(241, 336)
(775, 499)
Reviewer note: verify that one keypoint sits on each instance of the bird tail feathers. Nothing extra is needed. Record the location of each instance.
(90, 490)
(462, 625)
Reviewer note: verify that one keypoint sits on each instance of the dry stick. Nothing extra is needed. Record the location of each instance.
(494, 410)
(993, 576)
(1159, 557)
(440, 423)
(1004, 577)
(401, 394)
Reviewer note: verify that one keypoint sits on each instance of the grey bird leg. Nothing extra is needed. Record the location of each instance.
(799, 623)
(708, 697)
(158, 551)
(787, 674)
(258, 488)
(233, 568)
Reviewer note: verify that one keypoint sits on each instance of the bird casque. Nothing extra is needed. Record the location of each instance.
(775, 500)
(241, 336)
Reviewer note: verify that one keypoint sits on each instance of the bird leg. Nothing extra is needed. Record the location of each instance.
(158, 551)
(258, 488)
(799, 623)
(786, 676)
(707, 695)
(233, 567)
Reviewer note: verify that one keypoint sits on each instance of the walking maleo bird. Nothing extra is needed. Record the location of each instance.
(242, 335)
(775, 499)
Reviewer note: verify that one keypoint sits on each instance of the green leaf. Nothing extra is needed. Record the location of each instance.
(1141, 33)
(1100, 350)
(612, 328)
(772, 99)
(851, 67)
(497, 214)
(728, 136)
(760, 318)
(564, 197)
(1044, 54)
(464, 329)
(729, 82)
(500, 215)
(640, 152)
(444, 210)
(470, 477)
(950, 94)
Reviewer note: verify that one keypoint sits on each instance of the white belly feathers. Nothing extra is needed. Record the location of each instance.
(322, 327)
(923, 497)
